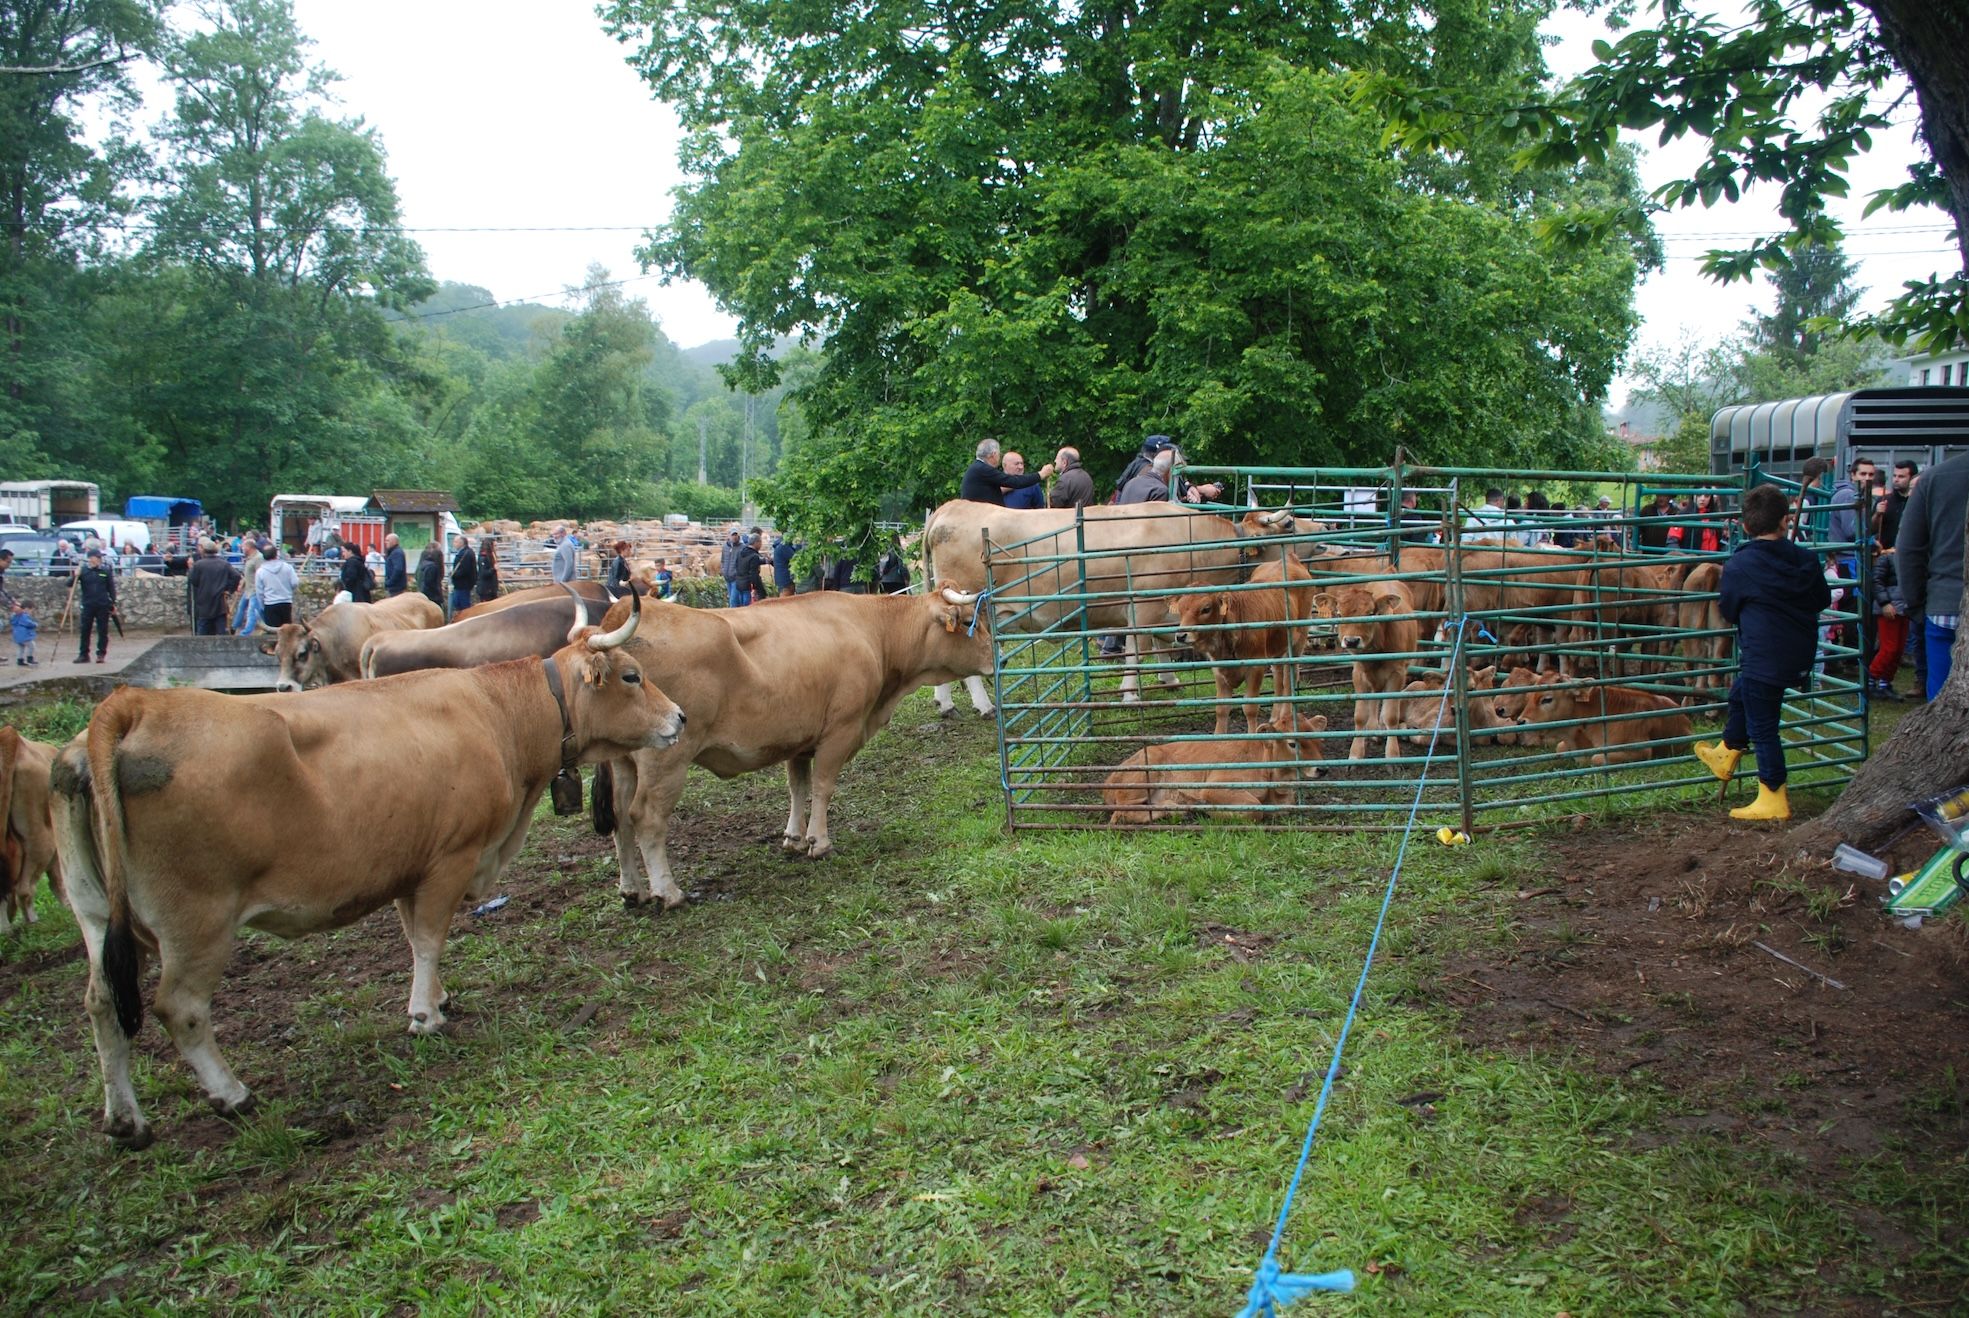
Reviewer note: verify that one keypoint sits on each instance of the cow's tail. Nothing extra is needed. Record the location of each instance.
(601, 800)
(112, 723)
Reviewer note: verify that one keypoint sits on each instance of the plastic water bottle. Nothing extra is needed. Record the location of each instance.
(1855, 861)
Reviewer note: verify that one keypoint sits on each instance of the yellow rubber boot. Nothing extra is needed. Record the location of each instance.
(1771, 803)
(1722, 761)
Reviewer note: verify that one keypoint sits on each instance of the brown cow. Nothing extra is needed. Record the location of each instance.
(327, 648)
(1633, 716)
(1696, 614)
(1367, 627)
(805, 681)
(1226, 628)
(1128, 548)
(535, 627)
(1158, 782)
(27, 834)
(592, 592)
(1420, 712)
(184, 814)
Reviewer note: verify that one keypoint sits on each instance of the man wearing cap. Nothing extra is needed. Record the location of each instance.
(96, 585)
(1185, 491)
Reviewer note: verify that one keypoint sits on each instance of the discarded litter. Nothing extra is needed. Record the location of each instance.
(489, 907)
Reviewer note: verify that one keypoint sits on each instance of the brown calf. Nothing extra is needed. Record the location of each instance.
(1614, 741)
(1371, 622)
(1155, 782)
(1704, 615)
(1219, 627)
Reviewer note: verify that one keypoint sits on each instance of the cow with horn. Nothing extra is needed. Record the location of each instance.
(149, 870)
(805, 681)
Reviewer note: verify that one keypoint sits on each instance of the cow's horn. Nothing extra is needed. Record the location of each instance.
(580, 613)
(621, 635)
(1274, 518)
(959, 597)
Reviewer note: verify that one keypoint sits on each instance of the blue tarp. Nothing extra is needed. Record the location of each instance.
(162, 508)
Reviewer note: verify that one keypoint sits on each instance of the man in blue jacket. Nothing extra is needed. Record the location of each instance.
(1773, 590)
(783, 552)
(396, 573)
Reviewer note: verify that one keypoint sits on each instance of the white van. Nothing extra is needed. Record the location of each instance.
(114, 532)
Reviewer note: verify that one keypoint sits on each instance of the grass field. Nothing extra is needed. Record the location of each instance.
(945, 1071)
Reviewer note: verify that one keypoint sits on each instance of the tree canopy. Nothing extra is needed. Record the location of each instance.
(1057, 224)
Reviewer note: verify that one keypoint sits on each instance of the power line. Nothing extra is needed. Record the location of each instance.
(501, 302)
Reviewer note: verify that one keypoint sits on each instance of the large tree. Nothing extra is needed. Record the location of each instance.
(59, 60)
(1075, 224)
(257, 355)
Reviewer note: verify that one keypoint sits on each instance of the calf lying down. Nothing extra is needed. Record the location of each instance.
(1159, 782)
(1633, 717)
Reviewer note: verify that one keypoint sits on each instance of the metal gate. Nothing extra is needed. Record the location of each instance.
(1588, 650)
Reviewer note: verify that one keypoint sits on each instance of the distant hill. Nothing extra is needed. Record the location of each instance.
(471, 315)
(715, 353)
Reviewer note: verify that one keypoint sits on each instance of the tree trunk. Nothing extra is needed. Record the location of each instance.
(1927, 39)
(1928, 753)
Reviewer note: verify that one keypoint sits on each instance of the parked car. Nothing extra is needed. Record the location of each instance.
(40, 555)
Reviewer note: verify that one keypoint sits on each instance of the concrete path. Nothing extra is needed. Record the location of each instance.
(57, 657)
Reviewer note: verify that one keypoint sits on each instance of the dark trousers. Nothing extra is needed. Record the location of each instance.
(277, 615)
(209, 626)
(1753, 721)
(96, 615)
(460, 601)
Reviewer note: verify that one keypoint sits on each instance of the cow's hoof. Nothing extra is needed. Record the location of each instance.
(134, 1136)
(422, 1024)
(989, 711)
(1131, 698)
(946, 711)
(816, 849)
(792, 843)
(631, 900)
(672, 903)
(233, 1111)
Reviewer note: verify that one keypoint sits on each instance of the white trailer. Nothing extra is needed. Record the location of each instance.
(44, 505)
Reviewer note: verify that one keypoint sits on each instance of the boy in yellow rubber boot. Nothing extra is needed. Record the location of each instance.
(1773, 590)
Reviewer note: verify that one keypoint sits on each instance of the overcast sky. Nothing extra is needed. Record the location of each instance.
(511, 116)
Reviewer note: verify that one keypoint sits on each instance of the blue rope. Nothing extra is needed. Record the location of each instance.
(977, 611)
(1272, 1289)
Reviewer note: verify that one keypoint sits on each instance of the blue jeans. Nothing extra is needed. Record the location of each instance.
(1753, 721)
(1940, 644)
(246, 614)
(736, 596)
(460, 601)
(208, 626)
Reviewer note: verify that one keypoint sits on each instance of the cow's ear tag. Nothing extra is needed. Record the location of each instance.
(950, 623)
(566, 791)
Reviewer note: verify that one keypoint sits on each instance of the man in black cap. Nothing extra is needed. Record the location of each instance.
(1185, 491)
(96, 586)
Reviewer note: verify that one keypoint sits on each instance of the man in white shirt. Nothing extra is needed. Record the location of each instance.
(1488, 521)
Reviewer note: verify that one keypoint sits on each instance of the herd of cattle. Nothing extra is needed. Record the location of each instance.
(180, 816)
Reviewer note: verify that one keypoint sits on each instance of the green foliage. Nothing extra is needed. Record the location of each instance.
(1785, 95)
(701, 503)
(57, 186)
(1112, 223)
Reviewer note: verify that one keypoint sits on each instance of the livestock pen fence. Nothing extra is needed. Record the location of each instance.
(1569, 630)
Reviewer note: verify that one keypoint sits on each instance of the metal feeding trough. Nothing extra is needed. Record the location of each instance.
(216, 663)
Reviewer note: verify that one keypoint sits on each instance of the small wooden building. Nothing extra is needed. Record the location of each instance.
(416, 517)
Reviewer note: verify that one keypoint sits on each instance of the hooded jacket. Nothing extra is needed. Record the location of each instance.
(1773, 592)
(1929, 546)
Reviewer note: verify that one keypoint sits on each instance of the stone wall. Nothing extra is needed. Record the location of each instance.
(146, 602)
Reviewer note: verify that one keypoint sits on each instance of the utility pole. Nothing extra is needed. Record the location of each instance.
(703, 477)
(745, 462)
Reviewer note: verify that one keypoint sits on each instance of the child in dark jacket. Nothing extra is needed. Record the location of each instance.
(1773, 590)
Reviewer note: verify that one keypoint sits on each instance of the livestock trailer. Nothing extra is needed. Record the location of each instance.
(45, 505)
(299, 521)
(1927, 425)
(172, 520)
